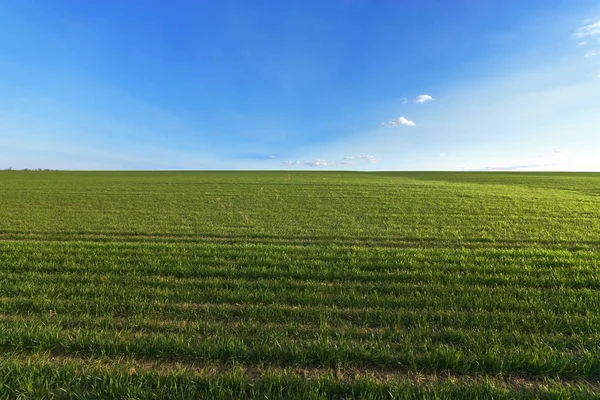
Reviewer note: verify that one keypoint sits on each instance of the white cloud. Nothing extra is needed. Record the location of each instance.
(422, 98)
(319, 163)
(560, 151)
(348, 158)
(399, 121)
(442, 154)
(369, 159)
(405, 121)
(592, 53)
(591, 29)
(289, 162)
(582, 43)
(271, 157)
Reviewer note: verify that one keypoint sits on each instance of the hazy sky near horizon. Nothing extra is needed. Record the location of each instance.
(336, 84)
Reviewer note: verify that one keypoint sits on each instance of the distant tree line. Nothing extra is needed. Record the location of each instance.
(29, 169)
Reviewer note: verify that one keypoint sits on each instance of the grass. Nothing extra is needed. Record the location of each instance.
(299, 285)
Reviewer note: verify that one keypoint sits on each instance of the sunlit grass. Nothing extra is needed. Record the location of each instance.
(320, 284)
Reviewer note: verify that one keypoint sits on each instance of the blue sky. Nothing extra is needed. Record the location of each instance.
(336, 84)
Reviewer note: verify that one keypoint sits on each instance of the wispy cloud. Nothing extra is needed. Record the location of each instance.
(319, 163)
(551, 158)
(271, 157)
(322, 163)
(369, 159)
(591, 29)
(517, 167)
(399, 121)
(422, 98)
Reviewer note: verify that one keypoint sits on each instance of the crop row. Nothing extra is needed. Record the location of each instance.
(267, 291)
(275, 347)
(534, 321)
(70, 379)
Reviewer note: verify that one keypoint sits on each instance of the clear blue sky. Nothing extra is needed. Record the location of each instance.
(335, 84)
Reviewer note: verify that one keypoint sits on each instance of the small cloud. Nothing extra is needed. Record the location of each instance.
(592, 53)
(561, 151)
(406, 122)
(348, 158)
(591, 29)
(346, 163)
(319, 163)
(582, 43)
(399, 121)
(289, 162)
(404, 100)
(369, 159)
(422, 98)
(442, 154)
(271, 157)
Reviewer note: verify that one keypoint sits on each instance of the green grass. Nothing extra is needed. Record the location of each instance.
(299, 285)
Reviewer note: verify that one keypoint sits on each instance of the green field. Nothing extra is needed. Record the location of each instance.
(299, 285)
